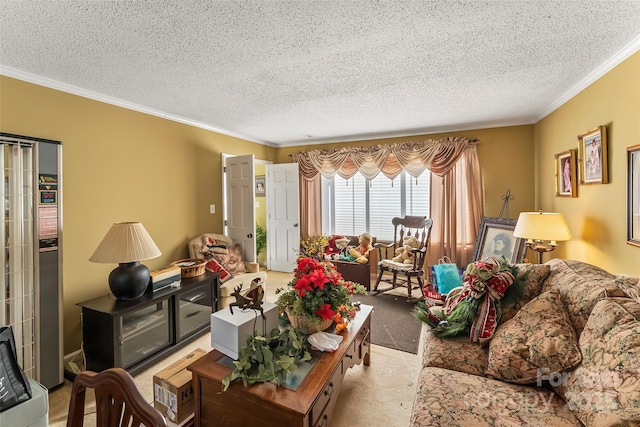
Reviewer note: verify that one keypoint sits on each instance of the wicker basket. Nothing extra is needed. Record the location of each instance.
(194, 270)
(300, 322)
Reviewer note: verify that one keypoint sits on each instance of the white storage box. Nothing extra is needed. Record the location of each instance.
(32, 413)
(229, 331)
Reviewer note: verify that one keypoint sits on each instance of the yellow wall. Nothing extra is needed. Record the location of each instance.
(121, 165)
(597, 217)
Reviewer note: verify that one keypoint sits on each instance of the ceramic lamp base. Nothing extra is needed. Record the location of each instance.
(129, 280)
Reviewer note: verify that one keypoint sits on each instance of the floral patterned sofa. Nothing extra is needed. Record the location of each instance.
(566, 354)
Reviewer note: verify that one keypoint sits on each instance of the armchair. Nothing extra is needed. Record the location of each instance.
(244, 273)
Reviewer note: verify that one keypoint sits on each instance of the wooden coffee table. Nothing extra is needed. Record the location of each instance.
(311, 404)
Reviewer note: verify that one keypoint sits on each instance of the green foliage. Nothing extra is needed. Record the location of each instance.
(269, 358)
(261, 238)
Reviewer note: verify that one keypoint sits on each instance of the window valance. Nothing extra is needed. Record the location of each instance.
(438, 156)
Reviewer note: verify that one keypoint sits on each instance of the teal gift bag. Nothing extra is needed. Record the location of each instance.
(447, 275)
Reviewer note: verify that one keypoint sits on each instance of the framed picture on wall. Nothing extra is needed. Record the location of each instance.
(566, 185)
(592, 156)
(495, 238)
(633, 195)
(260, 186)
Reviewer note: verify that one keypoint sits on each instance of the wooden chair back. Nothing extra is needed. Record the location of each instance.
(118, 401)
(418, 227)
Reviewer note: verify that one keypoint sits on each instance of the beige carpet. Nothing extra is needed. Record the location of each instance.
(379, 394)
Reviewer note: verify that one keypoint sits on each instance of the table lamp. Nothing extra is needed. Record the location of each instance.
(127, 243)
(540, 227)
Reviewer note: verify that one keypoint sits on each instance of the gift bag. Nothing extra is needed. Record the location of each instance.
(14, 384)
(447, 275)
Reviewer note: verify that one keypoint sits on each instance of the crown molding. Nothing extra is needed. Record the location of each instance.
(603, 69)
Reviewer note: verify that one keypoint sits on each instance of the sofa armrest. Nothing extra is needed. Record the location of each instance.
(252, 267)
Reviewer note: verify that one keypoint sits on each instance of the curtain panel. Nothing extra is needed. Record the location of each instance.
(438, 156)
(456, 190)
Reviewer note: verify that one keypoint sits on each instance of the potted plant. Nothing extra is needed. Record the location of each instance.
(317, 296)
(261, 238)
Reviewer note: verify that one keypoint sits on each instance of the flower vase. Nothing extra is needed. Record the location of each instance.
(299, 322)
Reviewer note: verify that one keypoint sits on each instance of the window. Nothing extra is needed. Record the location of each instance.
(353, 206)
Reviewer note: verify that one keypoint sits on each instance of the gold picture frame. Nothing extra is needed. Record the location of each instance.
(633, 195)
(592, 156)
(566, 182)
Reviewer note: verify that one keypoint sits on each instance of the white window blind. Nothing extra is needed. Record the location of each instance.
(358, 205)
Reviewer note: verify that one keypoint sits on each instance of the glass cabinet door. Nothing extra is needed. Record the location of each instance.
(194, 310)
(144, 332)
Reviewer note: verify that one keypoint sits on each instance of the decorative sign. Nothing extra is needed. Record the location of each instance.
(48, 189)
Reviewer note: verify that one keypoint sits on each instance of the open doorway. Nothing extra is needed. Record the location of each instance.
(244, 204)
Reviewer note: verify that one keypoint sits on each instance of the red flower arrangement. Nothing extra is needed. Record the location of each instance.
(319, 293)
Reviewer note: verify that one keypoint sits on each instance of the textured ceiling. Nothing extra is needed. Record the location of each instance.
(298, 72)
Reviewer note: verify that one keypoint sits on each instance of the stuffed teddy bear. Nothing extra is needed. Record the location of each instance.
(403, 253)
(361, 252)
(335, 247)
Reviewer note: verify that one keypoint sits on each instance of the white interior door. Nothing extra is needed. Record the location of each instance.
(240, 206)
(283, 216)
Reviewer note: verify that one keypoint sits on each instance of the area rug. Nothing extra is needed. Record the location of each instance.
(392, 324)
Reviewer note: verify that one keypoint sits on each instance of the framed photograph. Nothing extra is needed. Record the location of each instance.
(260, 186)
(495, 238)
(566, 185)
(633, 195)
(592, 156)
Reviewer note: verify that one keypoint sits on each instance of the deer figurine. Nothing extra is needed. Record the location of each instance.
(251, 299)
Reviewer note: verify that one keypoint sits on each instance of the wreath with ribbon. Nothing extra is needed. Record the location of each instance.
(476, 309)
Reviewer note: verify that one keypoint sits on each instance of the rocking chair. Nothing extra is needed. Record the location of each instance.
(418, 227)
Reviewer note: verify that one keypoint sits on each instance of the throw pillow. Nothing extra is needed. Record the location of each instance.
(210, 246)
(538, 341)
(605, 388)
(630, 286)
(213, 265)
(534, 275)
(233, 260)
(581, 286)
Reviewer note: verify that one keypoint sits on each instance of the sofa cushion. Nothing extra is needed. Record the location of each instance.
(448, 398)
(232, 261)
(630, 286)
(605, 388)
(457, 353)
(534, 275)
(581, 286)
(538, 340)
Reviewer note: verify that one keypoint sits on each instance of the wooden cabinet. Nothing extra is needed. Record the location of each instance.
(134, 334)
(310, 404)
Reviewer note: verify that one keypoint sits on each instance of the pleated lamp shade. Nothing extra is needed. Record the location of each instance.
(126, 243)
